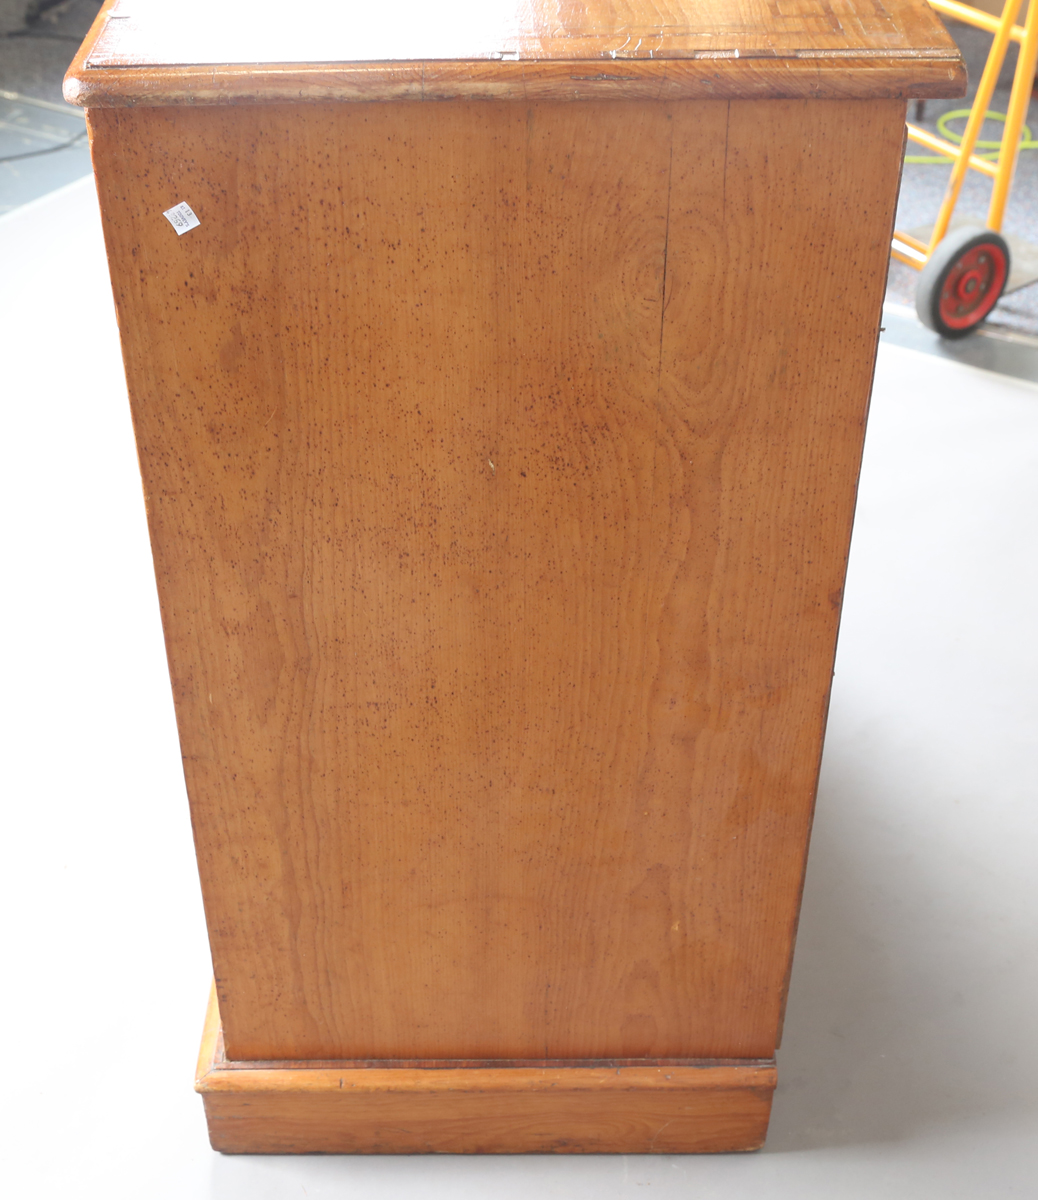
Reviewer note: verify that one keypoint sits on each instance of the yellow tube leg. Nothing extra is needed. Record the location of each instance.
(1023, 81)
(976, 119)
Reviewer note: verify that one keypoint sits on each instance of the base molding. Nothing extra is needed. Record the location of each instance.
(678, 1108)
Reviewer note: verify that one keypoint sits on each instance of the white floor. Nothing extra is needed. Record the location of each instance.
(910, 1059)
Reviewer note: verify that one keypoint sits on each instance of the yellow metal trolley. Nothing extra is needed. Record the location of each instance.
(965, 272)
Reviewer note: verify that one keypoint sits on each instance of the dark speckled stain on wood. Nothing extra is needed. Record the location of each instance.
(514, 762)
(500, 457)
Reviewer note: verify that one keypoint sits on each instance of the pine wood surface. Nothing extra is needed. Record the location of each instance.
(487, 1109)
(203, 51)
(500, 464)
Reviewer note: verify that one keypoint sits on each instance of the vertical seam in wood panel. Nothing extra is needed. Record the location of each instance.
(647, 632)
(666, 242)
(724, 173)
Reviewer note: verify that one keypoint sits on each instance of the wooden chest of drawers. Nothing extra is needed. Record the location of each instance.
(499, 411)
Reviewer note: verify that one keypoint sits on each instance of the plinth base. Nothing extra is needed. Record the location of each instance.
(607, 1107)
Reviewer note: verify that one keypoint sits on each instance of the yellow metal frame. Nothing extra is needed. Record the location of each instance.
(910, 250)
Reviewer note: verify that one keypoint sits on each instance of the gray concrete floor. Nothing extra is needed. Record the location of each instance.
(34, 56)
(38, 42)
(909, 1059)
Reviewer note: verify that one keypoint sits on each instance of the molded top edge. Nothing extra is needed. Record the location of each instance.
(138, 50)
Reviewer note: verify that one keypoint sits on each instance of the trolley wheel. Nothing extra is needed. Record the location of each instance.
(962, 281)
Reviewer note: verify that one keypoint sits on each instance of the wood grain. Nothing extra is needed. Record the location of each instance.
(203, 53)
(500, 462)
(600, 1108)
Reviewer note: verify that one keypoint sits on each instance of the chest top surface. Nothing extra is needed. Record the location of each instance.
(490, 49)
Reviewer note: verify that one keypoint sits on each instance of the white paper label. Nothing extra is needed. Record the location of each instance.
(181, 217)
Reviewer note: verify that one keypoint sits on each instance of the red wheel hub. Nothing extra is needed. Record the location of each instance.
(973, 285)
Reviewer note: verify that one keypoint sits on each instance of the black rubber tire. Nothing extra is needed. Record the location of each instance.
(934, 276)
